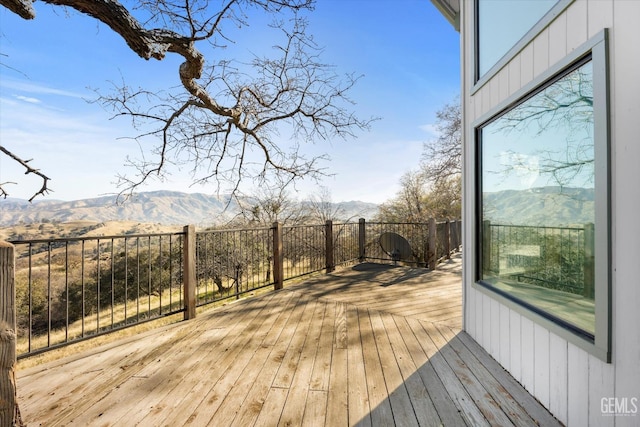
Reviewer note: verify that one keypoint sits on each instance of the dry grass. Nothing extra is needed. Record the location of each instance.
(50, 230)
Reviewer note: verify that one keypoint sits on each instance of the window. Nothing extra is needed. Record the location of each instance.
(503, 28)
(543, 198)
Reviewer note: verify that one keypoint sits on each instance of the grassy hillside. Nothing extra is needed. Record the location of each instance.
(54, 230)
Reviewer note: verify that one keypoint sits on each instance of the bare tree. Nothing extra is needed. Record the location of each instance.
(409, 205)
(266, 206)
(420, 199)
(223, 122)
(434, 190)
(322, 209)
(442, 157)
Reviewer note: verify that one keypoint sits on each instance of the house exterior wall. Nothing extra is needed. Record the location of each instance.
(572, 383)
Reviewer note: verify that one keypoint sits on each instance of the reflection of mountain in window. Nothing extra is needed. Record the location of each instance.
(538, 210)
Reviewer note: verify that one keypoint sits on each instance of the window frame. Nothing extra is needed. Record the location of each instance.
(600, 344)
(480, 80)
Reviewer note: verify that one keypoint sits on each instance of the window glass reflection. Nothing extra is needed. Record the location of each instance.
(538, 206)
(501, 24)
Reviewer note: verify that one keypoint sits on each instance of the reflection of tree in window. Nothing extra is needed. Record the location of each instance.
(538, 206)
(565, 108)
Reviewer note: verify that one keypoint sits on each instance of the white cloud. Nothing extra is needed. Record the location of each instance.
(79, 150)
(37, 88)
(28, 99)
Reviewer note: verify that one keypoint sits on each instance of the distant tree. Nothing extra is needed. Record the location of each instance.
(410, 203)
(442, 156)
(265, 206)
(321, 208)
(435, 189)
(224, 120)
(445, 198)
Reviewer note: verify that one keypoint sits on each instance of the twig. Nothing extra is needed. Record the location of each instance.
(45, 179)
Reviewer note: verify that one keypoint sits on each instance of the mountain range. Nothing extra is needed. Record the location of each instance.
(538, 206)
(163, 207)
(552, 206)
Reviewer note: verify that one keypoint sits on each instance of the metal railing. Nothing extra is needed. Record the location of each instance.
(230, 263)
(430, 242)
(71, 289)
(552, 257)
(76, 288)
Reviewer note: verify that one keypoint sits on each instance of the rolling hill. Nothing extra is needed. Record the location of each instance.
(160, 207)
(553, 206)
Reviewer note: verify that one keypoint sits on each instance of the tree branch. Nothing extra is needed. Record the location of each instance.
(224, 116)
(45, 179)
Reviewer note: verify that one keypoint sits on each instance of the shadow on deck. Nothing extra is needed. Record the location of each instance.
(368, 345)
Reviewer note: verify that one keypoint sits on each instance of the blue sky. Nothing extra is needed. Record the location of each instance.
(407, 52)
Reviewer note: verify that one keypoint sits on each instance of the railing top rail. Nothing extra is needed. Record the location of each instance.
(396, 223)
(181, 233)
(266, 228)
(229, 230)
(536, 226)
(422, 224)
(304, 226)
(79, 239)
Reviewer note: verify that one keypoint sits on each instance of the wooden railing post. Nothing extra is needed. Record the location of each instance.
(328, 251)
(278, 258)
(189, 276)
(589, 264)
(9, 413)
(446, 239)
(361, 238)
(432, 258)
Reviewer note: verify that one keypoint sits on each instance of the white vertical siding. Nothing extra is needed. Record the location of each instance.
(541, 366)
(478, 315)
(577, 386)
(486, 323)
(514, 75)
(577, 24)
(601, 377)
(600, 15)
(558, 374)
(541, 53)
(515, 345)
(495, 329)
(505, 324)
(568, 380)
(527, 353)
(558, 39)
(526, 65)
(503, 84)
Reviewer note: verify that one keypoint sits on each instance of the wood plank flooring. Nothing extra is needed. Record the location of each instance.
(369, 345)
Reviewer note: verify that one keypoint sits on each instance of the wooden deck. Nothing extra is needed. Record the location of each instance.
(369, 345)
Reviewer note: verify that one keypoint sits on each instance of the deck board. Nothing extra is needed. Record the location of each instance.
(368, 345)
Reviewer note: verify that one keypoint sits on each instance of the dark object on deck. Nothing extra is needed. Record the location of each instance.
(396, 247)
